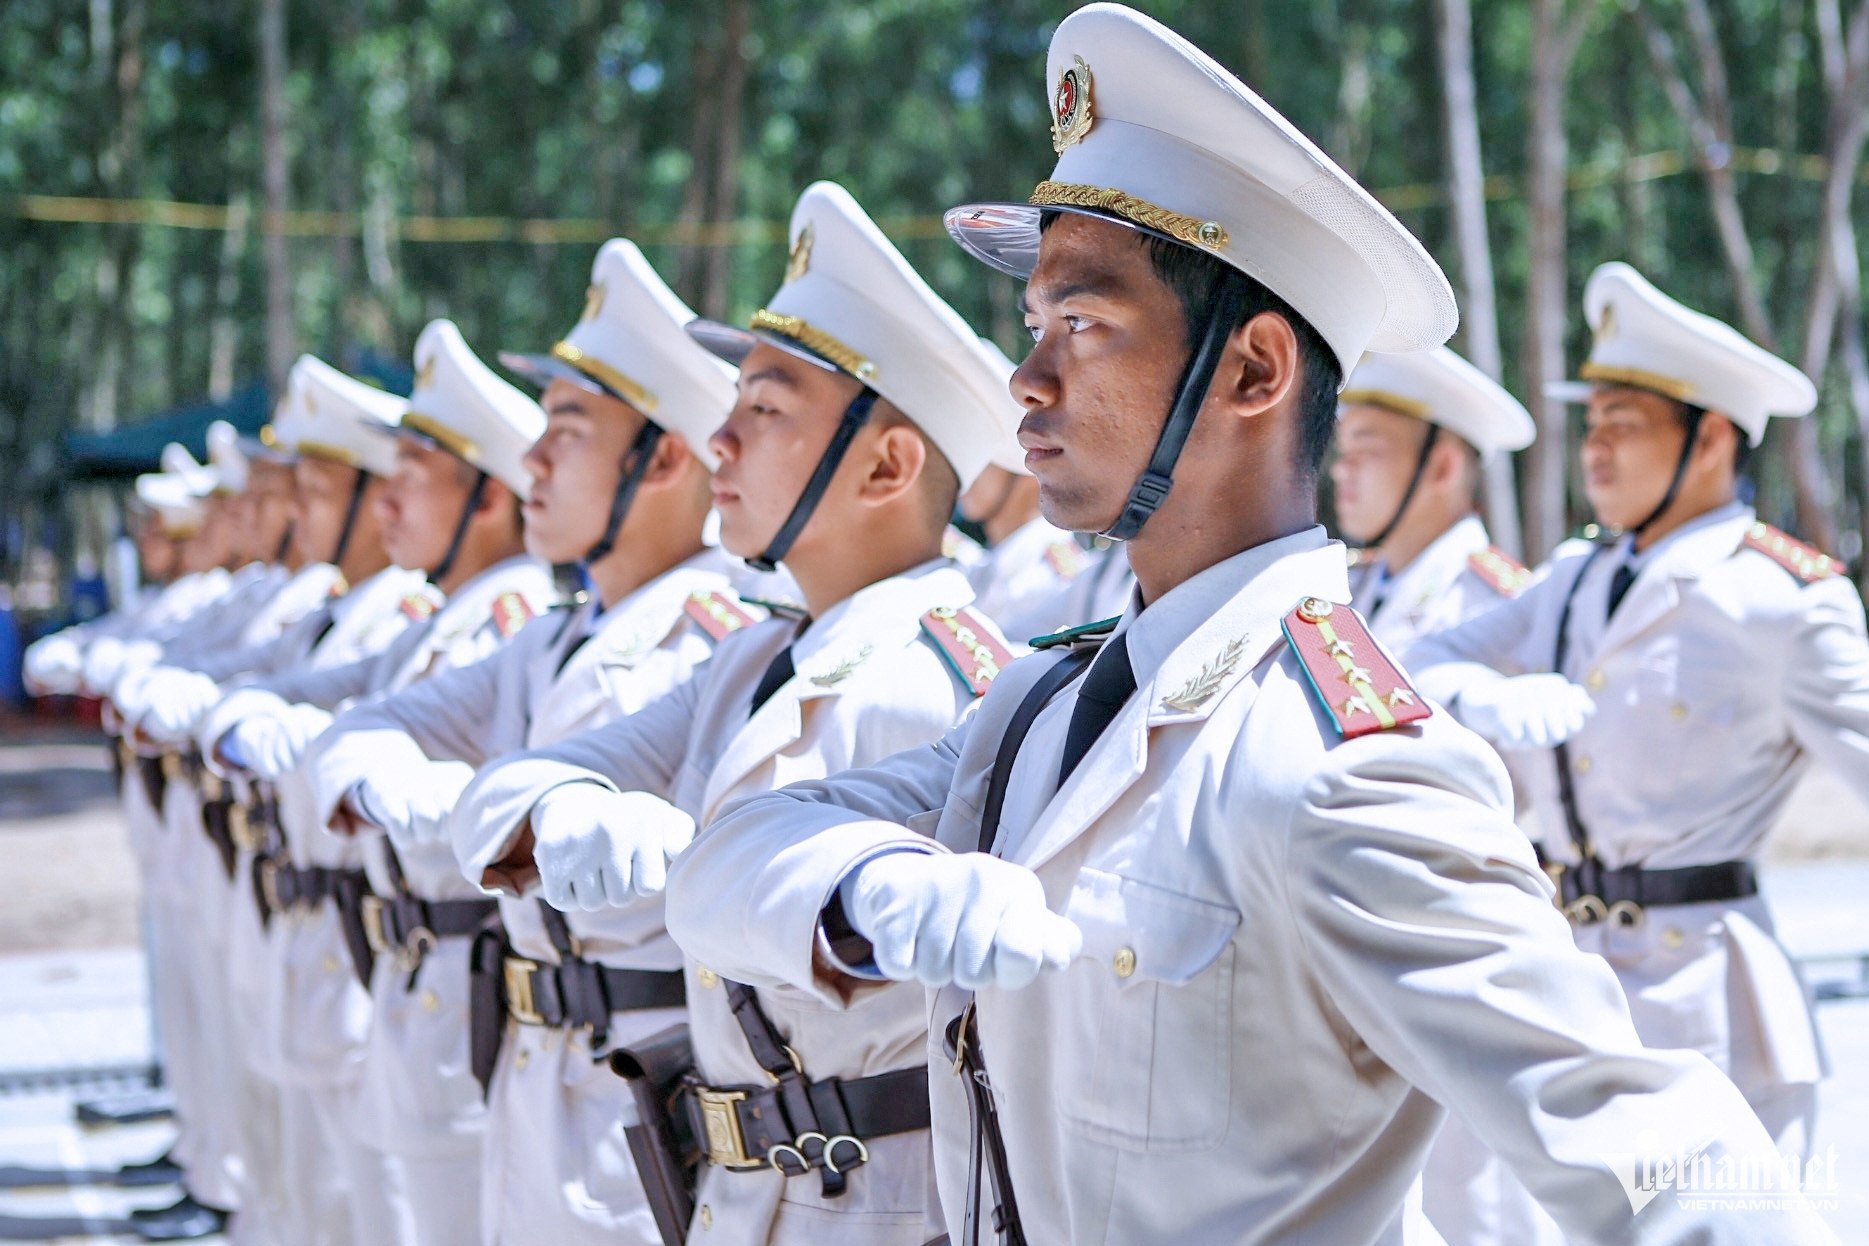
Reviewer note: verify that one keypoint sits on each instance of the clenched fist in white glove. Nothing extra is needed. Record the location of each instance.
(108, 659)
(54, 665)
(1525, 711)
(596, 848)
(270, 745)
(972, 920)
(174, 702)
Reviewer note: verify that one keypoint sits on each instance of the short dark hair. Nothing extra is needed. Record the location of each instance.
(1196, 277)
(1691, 416)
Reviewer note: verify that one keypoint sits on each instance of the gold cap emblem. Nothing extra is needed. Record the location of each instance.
(800, 258)
(593, 302)
(1070, 106)
(425, 373)
(1606, 324)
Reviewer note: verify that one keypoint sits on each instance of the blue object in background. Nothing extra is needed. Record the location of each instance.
(90, 596)
(12, 689)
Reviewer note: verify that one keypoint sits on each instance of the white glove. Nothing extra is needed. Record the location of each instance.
(55, 664)
(1525, 711)
(129, 693)
(107, 661)
(174, 702)
(972, 920)
(596, 848)
(410, 801)
(270, 745)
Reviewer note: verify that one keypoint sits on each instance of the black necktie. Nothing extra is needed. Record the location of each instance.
(1619, 588)
(1106, 686)
(774, 679)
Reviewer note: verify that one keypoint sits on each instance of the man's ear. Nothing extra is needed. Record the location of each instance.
(1261, 366)
(897, 458)
(668, 461)
(1716, 440)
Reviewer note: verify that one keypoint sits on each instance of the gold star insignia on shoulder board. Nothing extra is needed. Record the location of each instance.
(1356, 675)
(1401, 696)
(1340, 648)
(1354, 706)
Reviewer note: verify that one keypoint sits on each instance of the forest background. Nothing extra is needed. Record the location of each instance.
(194, 191)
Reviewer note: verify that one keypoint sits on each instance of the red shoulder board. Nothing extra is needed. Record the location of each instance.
(1066, 558)
(717, 613)
(968, 644)
(1502, 573)
(1360, 688)
(418, 606)
(510, 613)
(1806, 562)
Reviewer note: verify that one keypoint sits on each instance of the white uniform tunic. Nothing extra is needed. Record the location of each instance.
(556, 1166)
(867, 684)
(1437, 590)
(1294, 944)
(1021, 582)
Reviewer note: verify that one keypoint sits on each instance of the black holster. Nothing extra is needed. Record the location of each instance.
(663, 1144)
(486, 1003)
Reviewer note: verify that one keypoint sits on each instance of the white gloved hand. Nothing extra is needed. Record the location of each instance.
(595, 848)
(270, 745)
(130, 693)
(972, 920)
(174, 702)
(1525, 711)
(54, 664)
(107, 661)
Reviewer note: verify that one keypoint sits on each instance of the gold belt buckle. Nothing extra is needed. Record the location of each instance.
(1586, 910)
(371, 911)
(172, 766)
(726, 1143)
(519, 1002)
(269, 885)
(210, 787)
(240, 828)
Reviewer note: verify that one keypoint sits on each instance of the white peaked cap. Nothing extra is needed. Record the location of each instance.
(852, 304)
(1647, 340)
(173, 498)
(632, 343)
(1442, 388)
(198, 478)
(1152, 131)
(460, 405)
(330, 416)
(226, 457)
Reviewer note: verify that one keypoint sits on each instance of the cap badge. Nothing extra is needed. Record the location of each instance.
(1070, 106)
(800, 258)
(1606, 324)
(593, 302)
(425, 373)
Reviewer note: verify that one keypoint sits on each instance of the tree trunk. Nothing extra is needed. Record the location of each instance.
(280, 344)
(1467, 190)
(723, 196)
(224, 329)
(119, 35)
(1849, 117)
(1545, 304)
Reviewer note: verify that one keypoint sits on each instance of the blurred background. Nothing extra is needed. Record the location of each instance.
(193, 192)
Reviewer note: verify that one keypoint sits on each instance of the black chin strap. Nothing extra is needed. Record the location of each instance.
(446, 564)
(641, 450)
(285, 544)
(1152, 487)
(854, 415)
(1694, 416)
(1408, 494)
(357, 487)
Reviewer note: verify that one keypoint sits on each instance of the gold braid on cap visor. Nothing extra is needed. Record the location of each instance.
(1387, 399)
(1639, 378)
(815, 340)
(607, 376)
(1195, 232)
(457, 444)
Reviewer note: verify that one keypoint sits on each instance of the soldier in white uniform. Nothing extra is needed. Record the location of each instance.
(620, 486)
(1699, 638)
(452, 509)
(1411, 430)
(864, 406)
(1224, 968)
